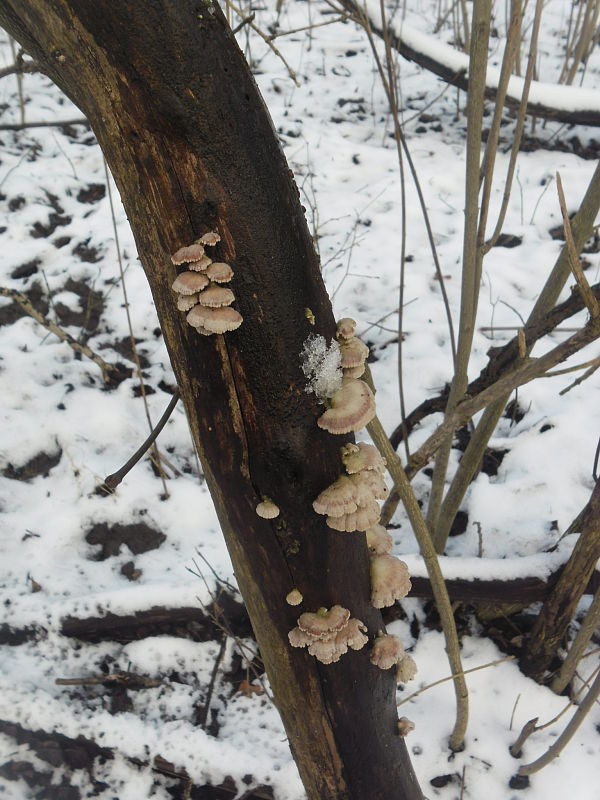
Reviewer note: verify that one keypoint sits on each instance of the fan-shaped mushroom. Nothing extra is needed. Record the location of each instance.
(387, 651)
(352, 407)
(389, 580)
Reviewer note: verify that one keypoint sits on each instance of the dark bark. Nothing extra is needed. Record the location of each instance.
(557, 612)
(192, 149)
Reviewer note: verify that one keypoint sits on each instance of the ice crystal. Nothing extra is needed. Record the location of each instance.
(322, 366)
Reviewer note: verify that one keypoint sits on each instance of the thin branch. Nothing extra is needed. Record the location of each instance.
(574, 262)
(112, 374)
(59, 123)
(577, 649)
(558, 746)
(428, 686)
(267, 40)
(130, 325)
(112, 481)
(436, 578)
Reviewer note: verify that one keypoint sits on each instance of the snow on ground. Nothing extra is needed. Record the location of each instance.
(58, 244)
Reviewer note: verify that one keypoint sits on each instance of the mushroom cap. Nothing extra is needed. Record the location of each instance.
(364, 517)
(294, 598)
(210, 239)
(353, 634)
(320, 623)
(267, 509)
(220, 272)
(362, 456)
(370, 485)
(300, 638)
(189, 283)
(337, 499)
(215, 320)
(389, 580)
(202, 331)
(201, 265)
(387, 651)
(186, 301)
(406, 670)
(184, 255)
(352, 407)
(354, 352)
(405, 726)
(379, 540)
(354, 372)
(216, 296)
(330, 649)
(346, 327)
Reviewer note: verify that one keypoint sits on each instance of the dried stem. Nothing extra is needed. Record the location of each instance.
(581, 641)
(574, 263)
(471, 262)
(436, 578)
(130, 325)
(112, 481)
(559, 745)
(111, 373)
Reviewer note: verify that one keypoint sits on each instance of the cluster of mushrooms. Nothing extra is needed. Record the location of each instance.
(200, 290)
(350, 504)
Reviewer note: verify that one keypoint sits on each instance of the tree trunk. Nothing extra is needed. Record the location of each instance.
(558, 610)
(192, 149)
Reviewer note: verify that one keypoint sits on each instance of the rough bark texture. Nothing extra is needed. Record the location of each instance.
(558, 610)
(192, 149)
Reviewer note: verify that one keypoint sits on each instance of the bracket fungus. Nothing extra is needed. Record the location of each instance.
(188, 283)
(294, 598)
(191, 252)
(214, 320)
(389, 580)
(406, 669)
(351, 408)
(362, 456)
(328, 634)
(216, 296)
(345, 328)
(379, 541)
(267, 509)
(219, 272)
(405, 726)
(387, 651)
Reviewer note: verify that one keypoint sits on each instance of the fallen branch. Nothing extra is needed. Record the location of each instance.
(570, 104)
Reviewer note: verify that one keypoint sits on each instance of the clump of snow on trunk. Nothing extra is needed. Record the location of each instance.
(322, 366)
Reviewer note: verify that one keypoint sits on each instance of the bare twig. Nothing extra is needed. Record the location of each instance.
(267, 40)
(130, 680)
(130, 325)
(111, 373)
(112, 481)
(558, 746)
(436, 578)
(577, 649)
(574, 262)
(59, 123)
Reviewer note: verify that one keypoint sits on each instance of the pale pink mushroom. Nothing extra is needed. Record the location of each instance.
(185, 302)
(389, 580)
(216, 296)
(379, 540)
(267, 509)
(210, 239)
(364, 517)
(184, 255)
(352, 407)
(362, 456)
(189, 283)
(201, 265)
(345, 328)
(215, 320)
(294, 598)
(220, 272)
(337, 499)
(406, 670)
(387, 651)
(320, 623)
